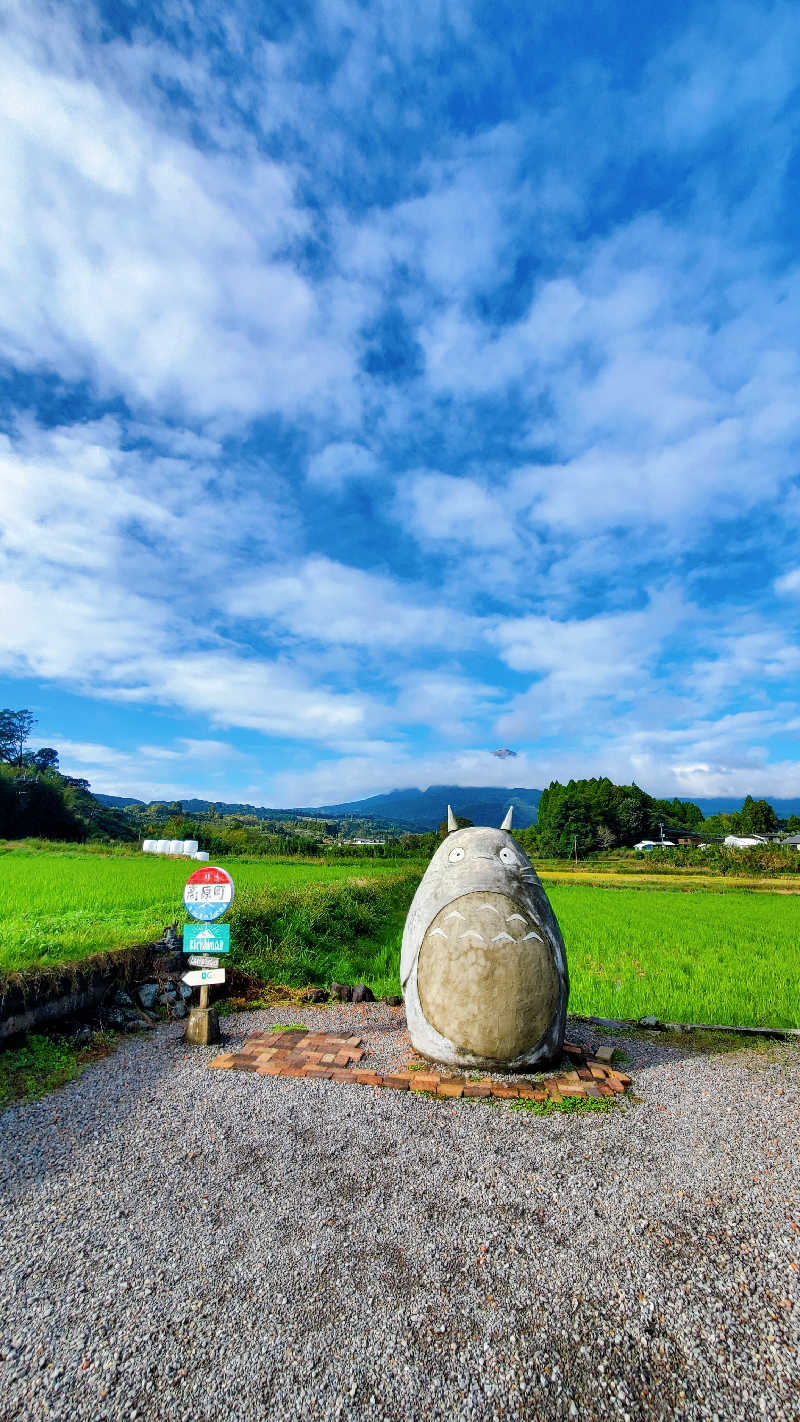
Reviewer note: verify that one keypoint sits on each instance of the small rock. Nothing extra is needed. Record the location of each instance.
(341, 992)
(604, 1054)
(652, 1022)
(122, 998)
(185, 991)
(314, 995)
(393, 1001)
(361, 993)
(148, 994)
(82, 1036)
(132, 1024)
(115, 1017)
(179, 1008)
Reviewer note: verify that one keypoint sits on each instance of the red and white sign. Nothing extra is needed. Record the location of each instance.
(209, 893)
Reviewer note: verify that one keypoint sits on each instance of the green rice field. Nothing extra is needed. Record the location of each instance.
(728, 957)
(63, 906)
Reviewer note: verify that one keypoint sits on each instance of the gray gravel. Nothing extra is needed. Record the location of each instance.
(187, 1244)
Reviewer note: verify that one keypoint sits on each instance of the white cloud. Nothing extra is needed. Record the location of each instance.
(788, 582)
(455, 513)
(133, 259)
(328, 602)
(340, 462)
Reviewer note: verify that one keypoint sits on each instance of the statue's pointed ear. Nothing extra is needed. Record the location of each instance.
(506, 825)
(451, 821)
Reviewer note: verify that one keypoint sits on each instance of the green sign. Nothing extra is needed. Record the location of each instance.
(207, 938)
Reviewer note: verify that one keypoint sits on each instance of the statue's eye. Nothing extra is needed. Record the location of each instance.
(507, 855)
(456, 854)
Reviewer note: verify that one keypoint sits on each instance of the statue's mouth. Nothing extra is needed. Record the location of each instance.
(483, 919)
(486, 975)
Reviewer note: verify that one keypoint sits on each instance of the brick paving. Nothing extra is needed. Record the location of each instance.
(336, 1056)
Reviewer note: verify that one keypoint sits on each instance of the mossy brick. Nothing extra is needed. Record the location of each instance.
(504, 1091)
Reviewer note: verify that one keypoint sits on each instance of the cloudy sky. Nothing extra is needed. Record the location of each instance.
(385, 384)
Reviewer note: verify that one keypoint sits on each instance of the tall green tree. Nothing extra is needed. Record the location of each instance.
(15, 730)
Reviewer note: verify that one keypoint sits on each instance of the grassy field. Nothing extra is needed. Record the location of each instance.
(684, 957)
(65, 905)
(699, 951)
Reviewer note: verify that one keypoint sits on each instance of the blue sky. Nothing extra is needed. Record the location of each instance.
(382, 385)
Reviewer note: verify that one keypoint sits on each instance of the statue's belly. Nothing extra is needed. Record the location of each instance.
(486, 976)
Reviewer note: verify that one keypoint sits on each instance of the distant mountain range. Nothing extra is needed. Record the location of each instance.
(415, 810)
(419, 810)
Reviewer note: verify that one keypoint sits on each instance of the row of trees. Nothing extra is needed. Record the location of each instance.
(597, 814)
(37, 801)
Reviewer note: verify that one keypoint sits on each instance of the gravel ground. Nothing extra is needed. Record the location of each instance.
(187, 1244)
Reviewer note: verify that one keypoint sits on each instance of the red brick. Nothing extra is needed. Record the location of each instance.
(400, 1080)
(572, 1090)
(328, 1058)
(572, 1047)
(618, 1081)
(290, 1071)
(603, 1088)
(567, 1076)
(480, 1089)
(585, 1074)
(319, 1072)
(226, 1060)
(367, 1078)
(270, 1069)
(598, 1072)
(450, 1086)
(504, 1092)
(353, 1041)
(342, 1058)
(424, 1080)
(341, 1074)
(526, 1090)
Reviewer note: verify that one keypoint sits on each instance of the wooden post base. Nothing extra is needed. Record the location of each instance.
(202, 1027)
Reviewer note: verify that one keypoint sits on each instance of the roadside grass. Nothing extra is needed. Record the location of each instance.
(65, 906)
(43, 1063)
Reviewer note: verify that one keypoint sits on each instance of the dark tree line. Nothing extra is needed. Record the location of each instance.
(37, 801)
(597, 814)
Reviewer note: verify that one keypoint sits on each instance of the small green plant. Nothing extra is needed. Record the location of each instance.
(620, 1057)
(43, 1063)
(290, 1027)
(571, 1105)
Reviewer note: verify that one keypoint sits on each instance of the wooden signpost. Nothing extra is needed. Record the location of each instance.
(207, 896)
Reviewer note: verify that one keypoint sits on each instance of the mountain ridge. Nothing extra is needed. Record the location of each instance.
(419, 810)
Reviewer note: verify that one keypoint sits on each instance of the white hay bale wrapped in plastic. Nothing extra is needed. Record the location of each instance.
(175, 846)
(190, 846)
(201, 854)
(148, 846)
(162, 846)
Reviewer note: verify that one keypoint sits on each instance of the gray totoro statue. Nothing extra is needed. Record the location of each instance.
(483, 966)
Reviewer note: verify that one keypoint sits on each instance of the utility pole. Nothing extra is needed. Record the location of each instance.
(661, 827)
(575, 847)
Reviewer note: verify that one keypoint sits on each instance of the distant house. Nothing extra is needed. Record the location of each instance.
(792, 839)
(655, 844)
(744, 841)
